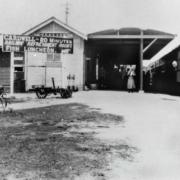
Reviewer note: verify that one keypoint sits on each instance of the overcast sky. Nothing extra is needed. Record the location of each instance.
(17, 16)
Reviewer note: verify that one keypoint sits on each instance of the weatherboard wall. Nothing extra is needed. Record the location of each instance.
(5, 70)
(40, 72)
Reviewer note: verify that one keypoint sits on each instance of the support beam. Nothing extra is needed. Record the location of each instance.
(141, 63)
(84, 70)
(130, 36)
(12, 73)
(97, 68)
(149, 45)
(26, 69)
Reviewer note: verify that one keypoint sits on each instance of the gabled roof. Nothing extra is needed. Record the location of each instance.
(60, 23)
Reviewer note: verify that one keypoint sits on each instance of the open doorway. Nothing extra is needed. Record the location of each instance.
(115, 76)
(108, 62)
(19, 71)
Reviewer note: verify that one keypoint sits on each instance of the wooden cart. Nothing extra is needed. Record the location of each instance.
(42, 91)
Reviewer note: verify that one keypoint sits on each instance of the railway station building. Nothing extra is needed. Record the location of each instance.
(98, 59)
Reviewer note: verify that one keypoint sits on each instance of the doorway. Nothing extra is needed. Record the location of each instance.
(107, 63)
(19, 78)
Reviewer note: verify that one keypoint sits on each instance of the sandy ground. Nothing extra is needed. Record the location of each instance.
(152, 123)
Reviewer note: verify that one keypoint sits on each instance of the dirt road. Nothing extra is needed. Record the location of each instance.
(118, 136)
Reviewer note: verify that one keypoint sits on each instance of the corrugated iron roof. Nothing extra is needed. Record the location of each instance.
(130, 31)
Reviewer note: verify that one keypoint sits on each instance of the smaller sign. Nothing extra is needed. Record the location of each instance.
(56, 35)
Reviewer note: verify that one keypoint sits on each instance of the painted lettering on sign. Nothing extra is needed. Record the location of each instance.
(58, 35)
(41, 44)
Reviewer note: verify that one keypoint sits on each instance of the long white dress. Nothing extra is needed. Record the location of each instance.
(131, 82)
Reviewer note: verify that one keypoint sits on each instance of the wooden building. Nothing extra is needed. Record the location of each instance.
(19, 71)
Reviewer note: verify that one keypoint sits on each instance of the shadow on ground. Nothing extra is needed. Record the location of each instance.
(57, 142)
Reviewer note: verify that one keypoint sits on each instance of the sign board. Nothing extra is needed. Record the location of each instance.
(20, 43)
(56, 35)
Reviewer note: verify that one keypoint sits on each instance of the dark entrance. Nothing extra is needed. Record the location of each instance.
(19, 72)
(5, 70)
(108, 63)
(110, 53)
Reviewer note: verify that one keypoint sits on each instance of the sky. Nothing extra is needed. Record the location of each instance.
(17, 16)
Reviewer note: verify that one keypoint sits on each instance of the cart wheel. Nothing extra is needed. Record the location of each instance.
(41, 93)
(69, 93)
(66, 93)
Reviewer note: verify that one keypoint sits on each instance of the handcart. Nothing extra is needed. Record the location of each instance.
(42, 91)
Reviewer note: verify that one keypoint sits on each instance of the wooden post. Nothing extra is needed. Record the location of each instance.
(97, 68)
(12, 73)
(141, 63)
(84, 70)
(26, 69)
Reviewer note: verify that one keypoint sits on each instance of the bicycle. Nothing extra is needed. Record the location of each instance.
(3, 98)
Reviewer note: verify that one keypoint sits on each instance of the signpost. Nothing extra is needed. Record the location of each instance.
(42, 44)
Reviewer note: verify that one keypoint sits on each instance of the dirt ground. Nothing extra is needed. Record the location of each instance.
(59, 142)
(95, 135)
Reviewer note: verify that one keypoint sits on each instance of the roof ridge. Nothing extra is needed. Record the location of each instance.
(49, 20)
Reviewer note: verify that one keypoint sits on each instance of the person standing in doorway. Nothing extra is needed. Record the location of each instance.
(130, 82)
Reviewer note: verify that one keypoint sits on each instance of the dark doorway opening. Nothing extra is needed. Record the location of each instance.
(19, 72)
(107, 63)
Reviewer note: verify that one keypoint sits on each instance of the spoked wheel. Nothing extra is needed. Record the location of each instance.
(41, 93)
(65, 93)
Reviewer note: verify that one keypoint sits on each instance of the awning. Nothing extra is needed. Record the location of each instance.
(153, 40)
(174, 44)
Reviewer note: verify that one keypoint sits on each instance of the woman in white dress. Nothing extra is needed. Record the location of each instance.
(130, 82)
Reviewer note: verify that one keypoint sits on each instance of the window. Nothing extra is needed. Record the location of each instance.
(18, 69)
